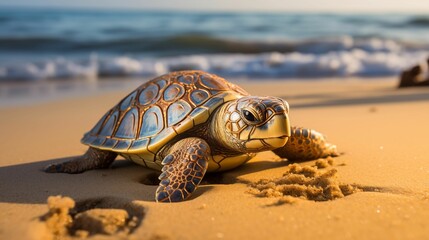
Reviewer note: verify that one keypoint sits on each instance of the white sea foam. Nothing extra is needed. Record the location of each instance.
(55, 69)
(355, 62)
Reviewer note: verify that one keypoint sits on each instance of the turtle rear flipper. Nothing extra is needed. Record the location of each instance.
(184, 168)
(92, 159)
(306, 144)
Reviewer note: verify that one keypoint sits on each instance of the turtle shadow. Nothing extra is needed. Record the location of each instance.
(238, 175)
(233, 176)
(28, 183)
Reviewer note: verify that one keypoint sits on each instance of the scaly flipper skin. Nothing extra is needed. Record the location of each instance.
(184, 168)
(92, 159)
(306, 144)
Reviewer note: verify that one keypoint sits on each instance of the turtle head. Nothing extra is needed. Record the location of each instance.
(254, 124)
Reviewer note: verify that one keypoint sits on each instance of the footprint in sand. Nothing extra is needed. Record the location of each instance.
(151, 179)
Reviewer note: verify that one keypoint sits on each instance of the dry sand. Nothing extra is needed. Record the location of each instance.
(382, 133)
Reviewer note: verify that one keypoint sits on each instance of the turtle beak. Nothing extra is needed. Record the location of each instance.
(288, 127)
(280, 128)
(274, 133)
(277, 127)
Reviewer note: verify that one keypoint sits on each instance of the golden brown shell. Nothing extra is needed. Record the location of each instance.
(160, 109)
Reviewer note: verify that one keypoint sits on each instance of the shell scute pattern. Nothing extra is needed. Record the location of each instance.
(110, 143)
(149, 94)
(177, 111)
(173, 92)
(122, 145)
(198, 96)
(99, 124)
(127, 101)
(108, 128)
(186, 79)
(208, 81)
(213, 103)
(160, 109)
(152, 122)
(162, 83)
(157, 141)
(184, 125)
(140, 144)
(98, 141)
(128, 126)
(200, 115)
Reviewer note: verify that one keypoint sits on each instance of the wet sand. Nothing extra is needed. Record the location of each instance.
(380, 131)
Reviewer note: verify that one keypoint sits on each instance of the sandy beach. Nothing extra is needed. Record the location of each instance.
(380, 131)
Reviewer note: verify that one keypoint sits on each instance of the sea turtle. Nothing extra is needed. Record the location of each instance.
(189, 122)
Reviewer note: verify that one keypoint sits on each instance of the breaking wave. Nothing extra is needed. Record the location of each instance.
(356, 62)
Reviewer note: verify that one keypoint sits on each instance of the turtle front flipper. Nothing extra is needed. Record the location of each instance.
(185, 164)
(92, 159)
(306, 144)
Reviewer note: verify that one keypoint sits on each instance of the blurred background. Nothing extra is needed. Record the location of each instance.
(80, 39)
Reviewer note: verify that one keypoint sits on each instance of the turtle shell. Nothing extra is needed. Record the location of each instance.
(160, 109)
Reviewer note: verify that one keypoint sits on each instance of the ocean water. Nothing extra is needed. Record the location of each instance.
(38, 44)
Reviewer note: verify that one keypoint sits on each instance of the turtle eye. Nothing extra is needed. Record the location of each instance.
(250, 117)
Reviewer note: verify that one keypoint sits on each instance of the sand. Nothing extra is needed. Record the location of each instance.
(317, 183)
(380, 131)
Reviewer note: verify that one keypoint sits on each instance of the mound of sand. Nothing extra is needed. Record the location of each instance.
(64, 220)
(318, 183)
(58, 219)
